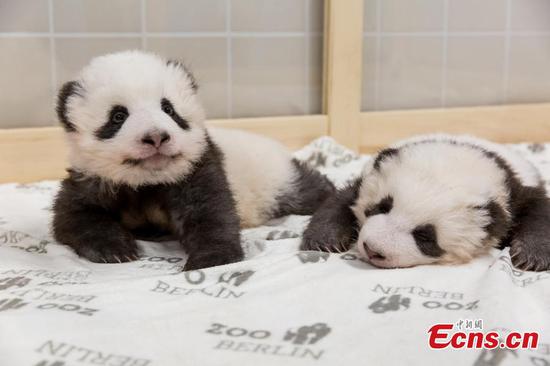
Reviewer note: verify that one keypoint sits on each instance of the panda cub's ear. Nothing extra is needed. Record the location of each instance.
(68, 90)
(186, 70)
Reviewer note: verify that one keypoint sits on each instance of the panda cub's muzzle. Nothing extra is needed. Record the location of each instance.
(157, 155)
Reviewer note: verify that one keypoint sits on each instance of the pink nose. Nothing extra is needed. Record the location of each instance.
(155, 138)
(372, 254)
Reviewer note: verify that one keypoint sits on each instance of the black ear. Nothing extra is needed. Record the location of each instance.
(186, 70)
(67, 90)
(383, 155)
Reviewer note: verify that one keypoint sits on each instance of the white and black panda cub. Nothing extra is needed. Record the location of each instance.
(438, 199)
(142, 164)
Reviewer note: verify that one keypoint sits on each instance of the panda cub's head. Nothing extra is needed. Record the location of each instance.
(133, 118)
(430, 202)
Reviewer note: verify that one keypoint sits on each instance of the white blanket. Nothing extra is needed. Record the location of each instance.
(280, 306)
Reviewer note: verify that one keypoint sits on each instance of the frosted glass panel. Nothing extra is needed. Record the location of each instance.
(251, 57)
(434, 53)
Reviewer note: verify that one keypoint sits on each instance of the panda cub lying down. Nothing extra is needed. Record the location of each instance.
(143, 165)
(438, 199)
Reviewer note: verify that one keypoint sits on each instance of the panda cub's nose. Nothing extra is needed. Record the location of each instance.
(155, 138)
(372, 254)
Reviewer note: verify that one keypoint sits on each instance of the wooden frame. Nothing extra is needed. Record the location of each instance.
(33, 154)
(504, 124)
(342, 67)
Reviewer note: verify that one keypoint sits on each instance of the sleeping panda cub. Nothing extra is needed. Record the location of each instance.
(438, 199)
(143, 165)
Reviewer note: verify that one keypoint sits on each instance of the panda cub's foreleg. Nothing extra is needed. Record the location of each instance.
(209, 233)
(89, 228)
(530, 242)
(205, 216)
(333, 227)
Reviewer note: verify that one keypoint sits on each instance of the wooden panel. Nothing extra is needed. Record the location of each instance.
(343, 66)
(32, 154)
(294, 132)
(505, 124)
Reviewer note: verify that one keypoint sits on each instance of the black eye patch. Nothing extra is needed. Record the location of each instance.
(168, 108)
(117, 116)
(383, 207)
(425, 237)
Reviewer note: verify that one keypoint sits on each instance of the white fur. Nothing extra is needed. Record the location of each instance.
(258, 169)
(524, 170)
(439, 184)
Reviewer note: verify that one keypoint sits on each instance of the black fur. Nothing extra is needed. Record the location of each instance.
(181, 65)
(528, 234)
(425, 237)
(67, 90)
(333, 226)
(500, 222)
(383, 155)
(383, 207)
(168, 108)
(305, 194)
(113, 124)
(88, 215)
(530, 242)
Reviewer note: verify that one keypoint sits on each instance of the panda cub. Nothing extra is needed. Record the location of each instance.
(143, 165)
(438, 199)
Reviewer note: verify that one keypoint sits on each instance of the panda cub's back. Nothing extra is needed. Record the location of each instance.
(259, 171)
(524, 170)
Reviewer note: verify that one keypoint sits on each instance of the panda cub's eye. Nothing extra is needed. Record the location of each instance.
(425, 234)
(425, 237)
(383, 207)
(167, 107)
(119, 114)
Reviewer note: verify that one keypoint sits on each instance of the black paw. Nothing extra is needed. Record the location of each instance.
(323, 245)
(110, 251)
(199, 261)
(530, 257)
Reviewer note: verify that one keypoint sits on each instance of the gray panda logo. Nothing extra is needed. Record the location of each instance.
(317, 159)
(307, 334)
(235, 278)
(392, 303)
(493, 357)
(278, 235)
(11, 304)
(6, 283)
(536, 148)
(313, 257)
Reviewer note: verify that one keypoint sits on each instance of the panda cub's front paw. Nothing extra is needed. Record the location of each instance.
(323, 245)
(110, 251)
(206, 260)
(531, 256)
